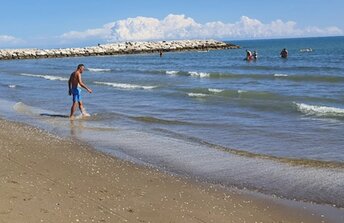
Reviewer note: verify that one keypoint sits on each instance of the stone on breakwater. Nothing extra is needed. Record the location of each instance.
(116, 48)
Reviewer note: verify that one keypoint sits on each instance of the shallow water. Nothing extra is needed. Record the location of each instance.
(190, 112)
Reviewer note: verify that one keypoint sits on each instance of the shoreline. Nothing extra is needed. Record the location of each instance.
(117, 49)
(50, 179)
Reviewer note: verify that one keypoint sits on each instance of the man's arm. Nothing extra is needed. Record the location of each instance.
(82, 83)
(70, 85)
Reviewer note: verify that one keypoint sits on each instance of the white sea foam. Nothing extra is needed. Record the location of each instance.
(197, 95)
(306, 50)
(125, 86)
(171, 72)
(199, 160)
(12, 85)
(214, 90)
(202, 51)
(98, 70)
(199, 74)
(241, 91)
(47, 77)
(319, 110)
(280, 75)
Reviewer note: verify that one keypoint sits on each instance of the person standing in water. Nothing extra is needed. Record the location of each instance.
(255, 55)
(74, 84)
(284, 53)
(248, 55)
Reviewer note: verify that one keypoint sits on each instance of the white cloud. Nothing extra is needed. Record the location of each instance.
(182, 27)
(6, 39)
(98, 33)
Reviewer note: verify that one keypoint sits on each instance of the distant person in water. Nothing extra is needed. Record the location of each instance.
(74, 84)
(248, 55)
(255, 55)
(284, 53)
(160, 53)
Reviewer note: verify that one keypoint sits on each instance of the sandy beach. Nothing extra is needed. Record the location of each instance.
(48, 179)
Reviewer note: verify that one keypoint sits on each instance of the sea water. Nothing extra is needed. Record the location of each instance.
(272, 125)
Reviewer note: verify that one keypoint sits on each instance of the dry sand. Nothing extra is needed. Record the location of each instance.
(44, 178)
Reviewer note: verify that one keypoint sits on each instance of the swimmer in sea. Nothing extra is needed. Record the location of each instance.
(249, 56)
(255, 55)
(284, 53)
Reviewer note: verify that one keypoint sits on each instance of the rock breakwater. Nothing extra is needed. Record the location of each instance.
(116, 49)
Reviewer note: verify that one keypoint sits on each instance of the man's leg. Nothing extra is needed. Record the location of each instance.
(73, 108)
(81, 107)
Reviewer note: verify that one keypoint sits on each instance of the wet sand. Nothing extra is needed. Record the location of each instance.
(44, 178)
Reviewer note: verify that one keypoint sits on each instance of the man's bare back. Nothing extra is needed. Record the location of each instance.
(74, 79)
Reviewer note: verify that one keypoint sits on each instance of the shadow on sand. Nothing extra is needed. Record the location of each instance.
(54, 115)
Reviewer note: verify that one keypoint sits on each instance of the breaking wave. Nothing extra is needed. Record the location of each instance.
(320, 111)
(125, 86)
(47, 77)
(199, 74)
(197, 95)
(172, 72)
(98, 70)
(214, 90)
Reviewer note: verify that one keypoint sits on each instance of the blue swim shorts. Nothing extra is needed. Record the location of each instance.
(76, 94)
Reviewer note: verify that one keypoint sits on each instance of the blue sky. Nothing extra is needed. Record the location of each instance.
(50, 23)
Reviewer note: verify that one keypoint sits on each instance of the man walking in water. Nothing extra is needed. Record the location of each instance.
(74, 85)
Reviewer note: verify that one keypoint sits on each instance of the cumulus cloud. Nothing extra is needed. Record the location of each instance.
(182, 27)
(143, 28)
